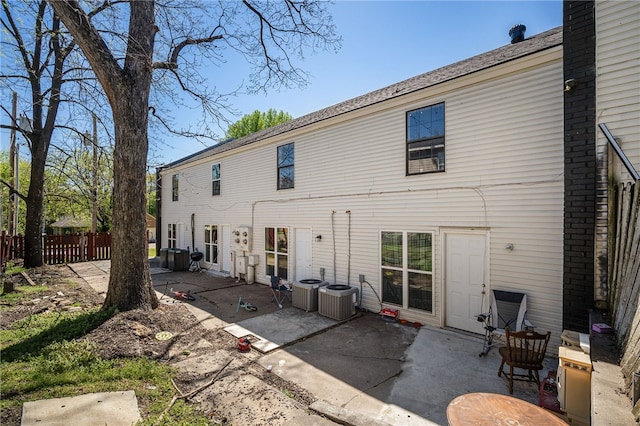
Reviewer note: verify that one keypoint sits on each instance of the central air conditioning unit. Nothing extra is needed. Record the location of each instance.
(305, 294)
(337, 301)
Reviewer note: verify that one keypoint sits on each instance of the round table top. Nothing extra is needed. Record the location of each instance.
(495, 409)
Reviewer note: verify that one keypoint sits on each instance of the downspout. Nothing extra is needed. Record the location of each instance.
(158, 210)
(623, 157)
(193, 232)
(333, 238)
(348, 212)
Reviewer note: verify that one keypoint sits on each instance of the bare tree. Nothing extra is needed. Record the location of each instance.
(269, 34)
(70, 187)
(40, 60)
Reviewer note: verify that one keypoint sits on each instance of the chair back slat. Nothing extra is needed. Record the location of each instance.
(526, 349)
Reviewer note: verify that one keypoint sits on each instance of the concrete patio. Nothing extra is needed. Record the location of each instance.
(363, 368)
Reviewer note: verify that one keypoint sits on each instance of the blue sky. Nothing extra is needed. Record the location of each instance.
(384, 42)
(388, 41)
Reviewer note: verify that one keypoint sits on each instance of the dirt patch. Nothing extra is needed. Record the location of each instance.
(157, 334)
(170, 334)
(62, 290)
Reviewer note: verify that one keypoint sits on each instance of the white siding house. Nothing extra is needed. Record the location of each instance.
(618, 78)
(477, 191)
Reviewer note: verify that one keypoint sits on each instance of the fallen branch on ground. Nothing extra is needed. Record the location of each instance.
(26, 277)
(190, 394)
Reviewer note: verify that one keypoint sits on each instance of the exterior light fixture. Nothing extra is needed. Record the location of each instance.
(570, 84)
(318, 238)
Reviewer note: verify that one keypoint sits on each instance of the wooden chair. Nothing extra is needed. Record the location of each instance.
(524, 350)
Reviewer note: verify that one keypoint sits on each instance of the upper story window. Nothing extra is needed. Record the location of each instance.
(174, 187)
(285, 166)
(425, 140)
(215, 179)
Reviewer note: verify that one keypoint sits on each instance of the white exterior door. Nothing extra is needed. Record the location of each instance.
(225, 266)
(303, 254)
(465, 272)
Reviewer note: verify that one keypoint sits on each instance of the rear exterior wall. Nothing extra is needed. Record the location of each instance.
(504, 175)
(618, 79)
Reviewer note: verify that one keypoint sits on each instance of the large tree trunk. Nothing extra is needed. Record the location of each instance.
(35, 201)
(130, 282)
(40, 141)
(128, 91)
(40, 136)
(33, 224)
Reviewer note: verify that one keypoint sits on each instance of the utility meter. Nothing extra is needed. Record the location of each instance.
(242, 238)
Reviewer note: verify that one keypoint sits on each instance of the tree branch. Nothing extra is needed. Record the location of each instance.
(172, 63)
(12, 190)
(190, 394)
(175, 132)
(15, 33)
(92, 44)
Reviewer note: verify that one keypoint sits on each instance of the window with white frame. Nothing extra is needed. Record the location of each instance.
(276, 248)
(286, 166)
(407, 269)
(172, 238)
(215, 179)
(211, 244)
(425, 140)
(174, 187)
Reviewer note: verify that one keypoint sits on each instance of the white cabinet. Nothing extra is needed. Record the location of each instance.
(574, 384)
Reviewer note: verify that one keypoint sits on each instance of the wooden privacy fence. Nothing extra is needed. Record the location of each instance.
(76, 248)
(11, 247)
(58, 249)
(624, 278)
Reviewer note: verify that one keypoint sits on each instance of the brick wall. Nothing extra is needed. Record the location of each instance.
(579, 163)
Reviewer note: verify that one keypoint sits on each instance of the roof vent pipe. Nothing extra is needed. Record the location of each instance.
(517, 33)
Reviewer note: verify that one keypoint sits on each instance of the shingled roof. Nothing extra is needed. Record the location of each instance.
(501, 55)
(71, 222)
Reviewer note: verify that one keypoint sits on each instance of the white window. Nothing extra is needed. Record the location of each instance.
(425, 140)
(211, 244)
(276, 248)
(174, 187)
(407, 269)
(215, 179)
(286, 166)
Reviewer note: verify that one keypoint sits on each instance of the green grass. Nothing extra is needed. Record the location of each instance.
(287, 393)
(12, 269)
(43, 356)
(151, 252)
(19, 295)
